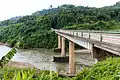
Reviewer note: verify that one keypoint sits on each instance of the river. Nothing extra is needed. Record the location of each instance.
(43, 59)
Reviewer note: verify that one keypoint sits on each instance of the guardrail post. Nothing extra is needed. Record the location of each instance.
(101, 37)
(76, 33)
(89, 35)
(81, 34)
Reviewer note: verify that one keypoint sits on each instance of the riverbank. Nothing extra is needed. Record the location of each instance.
(4, 44)
(18, 64)
(104, 70)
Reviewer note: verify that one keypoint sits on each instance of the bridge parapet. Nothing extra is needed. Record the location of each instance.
(97, 42)
(103, 36)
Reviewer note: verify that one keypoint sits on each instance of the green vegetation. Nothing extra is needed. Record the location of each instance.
(5, 59)
(28, 74)
(29, 35)
(100, 25)
(104, 70)
(34, 31)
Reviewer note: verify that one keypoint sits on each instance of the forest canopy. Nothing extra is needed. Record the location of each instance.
(34, 31)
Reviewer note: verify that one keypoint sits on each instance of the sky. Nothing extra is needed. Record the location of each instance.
(12, 8)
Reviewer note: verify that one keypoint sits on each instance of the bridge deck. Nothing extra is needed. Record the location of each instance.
(103, 40)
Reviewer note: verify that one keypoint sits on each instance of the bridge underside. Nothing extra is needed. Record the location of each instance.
(89, 44)
(97, 49)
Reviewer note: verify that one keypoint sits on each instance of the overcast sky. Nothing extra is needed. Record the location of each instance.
(12, 8)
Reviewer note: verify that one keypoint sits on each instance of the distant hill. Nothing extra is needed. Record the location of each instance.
(12, 20)
(114, 6)
(34, 31)
(117, 5)
(15, 18)
(45, 11)
(65, 7)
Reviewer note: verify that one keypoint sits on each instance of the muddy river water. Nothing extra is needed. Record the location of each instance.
(43, 58)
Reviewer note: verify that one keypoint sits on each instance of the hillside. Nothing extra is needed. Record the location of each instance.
(34, 31)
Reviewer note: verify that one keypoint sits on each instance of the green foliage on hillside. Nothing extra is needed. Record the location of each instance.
(34, 31)
(29, 36)
(100, 25)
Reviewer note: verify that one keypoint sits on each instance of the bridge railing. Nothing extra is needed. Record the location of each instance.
(103, 36)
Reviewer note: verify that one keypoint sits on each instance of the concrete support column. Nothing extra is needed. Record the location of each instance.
(63, 47)
(72, 68)
(93, 51)
(59, 42)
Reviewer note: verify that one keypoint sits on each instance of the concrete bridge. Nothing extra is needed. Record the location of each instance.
(97, 42)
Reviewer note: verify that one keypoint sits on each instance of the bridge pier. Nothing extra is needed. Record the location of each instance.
(59, 42)
(99, 44)
(63, 48)
(58, 49)
(92, 51)
(72, 68)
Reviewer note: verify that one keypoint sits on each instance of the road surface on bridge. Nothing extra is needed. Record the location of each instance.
(109, 41)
